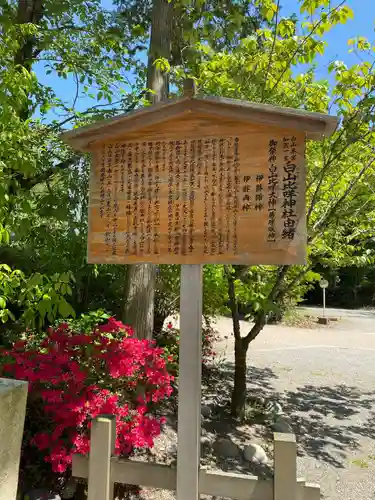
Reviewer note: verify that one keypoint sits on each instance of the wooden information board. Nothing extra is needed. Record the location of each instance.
(228, 198)
(237, 198)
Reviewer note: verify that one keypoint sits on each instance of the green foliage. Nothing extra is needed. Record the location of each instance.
(87, 322)
(340, 197)
(38, 298)
(169, 339)
(245, 50)
(167, 299)
(43, 185)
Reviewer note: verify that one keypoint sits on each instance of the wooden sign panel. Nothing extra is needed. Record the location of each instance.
(190, 199)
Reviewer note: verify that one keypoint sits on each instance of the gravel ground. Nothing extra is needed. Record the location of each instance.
(325, 380)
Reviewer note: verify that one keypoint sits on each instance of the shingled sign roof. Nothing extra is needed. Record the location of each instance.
(314, 125)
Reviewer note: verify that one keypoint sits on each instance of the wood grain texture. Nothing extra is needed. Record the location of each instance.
(226, 229)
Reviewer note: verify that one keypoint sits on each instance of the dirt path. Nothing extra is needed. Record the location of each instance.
(325, 380)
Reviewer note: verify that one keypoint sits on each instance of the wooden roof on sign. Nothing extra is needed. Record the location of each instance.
(314, 125)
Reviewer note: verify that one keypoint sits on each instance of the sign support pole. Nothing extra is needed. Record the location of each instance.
(189, 386)
(323, 285)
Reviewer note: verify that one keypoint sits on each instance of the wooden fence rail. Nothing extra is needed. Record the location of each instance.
(102, 471)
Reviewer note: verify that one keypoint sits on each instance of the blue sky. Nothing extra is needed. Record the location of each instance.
(363, 24)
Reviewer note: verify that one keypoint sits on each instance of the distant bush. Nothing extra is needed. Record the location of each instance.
(169, 339)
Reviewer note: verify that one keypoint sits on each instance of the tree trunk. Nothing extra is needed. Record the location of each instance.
(28, 11)
(240, 349)
(240, 368)
(139, 304)
(140, 280)
(160, 47)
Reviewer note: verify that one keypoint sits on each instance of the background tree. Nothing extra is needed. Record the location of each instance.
(175, 28)
(43, 183)
(245, 50)
(140, 278)
(263, 68)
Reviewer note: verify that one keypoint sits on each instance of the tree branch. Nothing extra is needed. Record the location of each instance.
(44, 176)
(297, 279)
(331, 211)
(313, 29)
(96, 106)
(233, 303)
(331, 159)
(260, 320)
(271, 52)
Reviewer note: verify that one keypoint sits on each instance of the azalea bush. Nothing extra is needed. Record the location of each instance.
(74, 377)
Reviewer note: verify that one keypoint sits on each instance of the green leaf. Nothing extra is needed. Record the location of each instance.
(138, 30)
(35, 280)
(4, 315)
(65, 309)
(5, 237)
(162, 65)
(256, 306)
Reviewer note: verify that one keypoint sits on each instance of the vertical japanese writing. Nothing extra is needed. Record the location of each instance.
(192, 193)
(170, 196)
(236, 164)
(205, 197)
(123, 165)
(229, 194)
(293, 150)
(116, 180)
(246, 194)
(272, 190)
(221, 196)
(108, 205)
(156, 222)
(289, 189)
(136, 199)
(129, 194)
(164, 157)
(259, 195)
(199, 162)
(185, 185)
(150, 234)
(214, 198)
(177, 221)
(102, 184)
(142, 200)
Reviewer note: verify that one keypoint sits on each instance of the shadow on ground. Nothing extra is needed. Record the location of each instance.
(328, 421)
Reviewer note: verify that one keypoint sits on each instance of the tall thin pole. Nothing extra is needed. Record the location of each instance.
(324, 302)
(190, 372)
(189, 386)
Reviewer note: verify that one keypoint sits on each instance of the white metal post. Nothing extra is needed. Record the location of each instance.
(189, 386)
(324, 302)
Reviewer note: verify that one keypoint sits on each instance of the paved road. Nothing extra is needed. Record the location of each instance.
(325, 379)
(362, 320)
